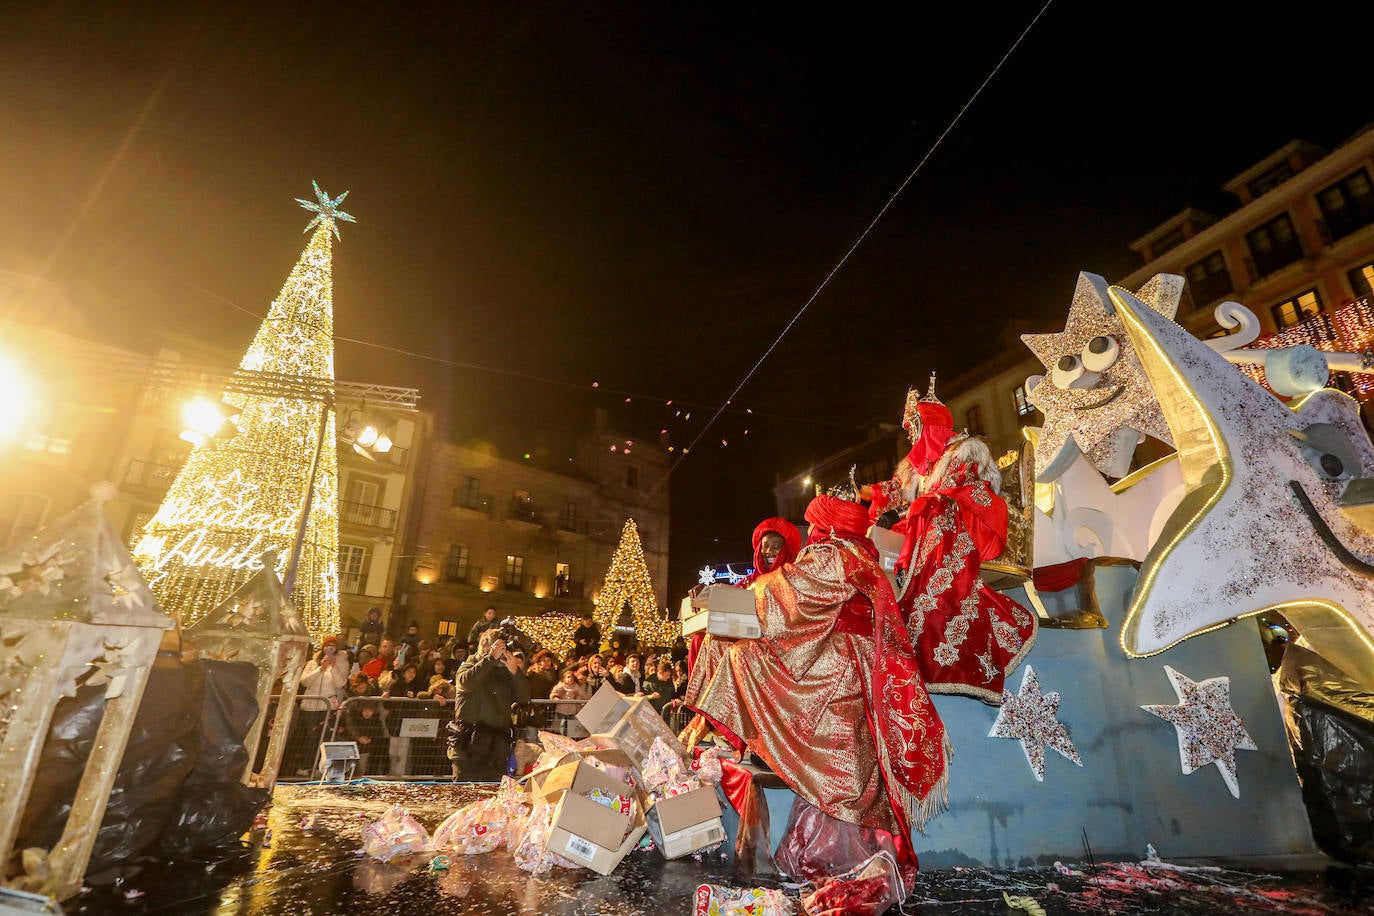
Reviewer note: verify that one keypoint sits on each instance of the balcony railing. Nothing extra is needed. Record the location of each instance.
(1340, 223)
(1262, 264)
(353, 583)
(363, 514)
(566, 589)
(395, 457)
(522, 510)
(472, 503)
(150, 475)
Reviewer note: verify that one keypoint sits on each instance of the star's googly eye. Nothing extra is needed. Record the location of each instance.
(1101, 353)
(1067, 371)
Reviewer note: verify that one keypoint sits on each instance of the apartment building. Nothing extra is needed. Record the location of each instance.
(1298, 251)
(531, 536)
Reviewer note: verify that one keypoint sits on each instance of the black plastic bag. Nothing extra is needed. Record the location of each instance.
(1330, 721)
(213, 807)
(160, 753)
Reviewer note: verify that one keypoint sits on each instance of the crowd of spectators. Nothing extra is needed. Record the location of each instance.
(469, 686)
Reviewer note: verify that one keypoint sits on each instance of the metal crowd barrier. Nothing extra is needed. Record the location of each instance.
(397, 737)
(402, 738)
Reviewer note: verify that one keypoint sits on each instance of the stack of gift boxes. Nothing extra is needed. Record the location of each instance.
(630, 776)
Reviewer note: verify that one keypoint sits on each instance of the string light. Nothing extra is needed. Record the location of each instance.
(552, 631)
(1349, 328)
(234, 499)
(627, 580)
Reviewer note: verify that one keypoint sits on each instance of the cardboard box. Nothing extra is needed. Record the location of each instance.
(592, 835)
(687, 822)
(634, 734)
(573, 772)
(606, 707)
(721, 610)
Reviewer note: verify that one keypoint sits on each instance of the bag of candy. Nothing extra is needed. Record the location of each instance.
(868, 890)
(396, 834)
(718, 900)
(531, 848)
(484, 825)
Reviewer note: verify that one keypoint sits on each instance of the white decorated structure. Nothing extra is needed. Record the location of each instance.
(74, 612)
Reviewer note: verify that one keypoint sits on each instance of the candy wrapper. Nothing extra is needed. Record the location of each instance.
(618, 773)
(706, 765)
(717, 900)
(662, 766)
(484, 825)
(681, 788)
(396, 834)
(868, 890)
(531, 849)
(622, 803)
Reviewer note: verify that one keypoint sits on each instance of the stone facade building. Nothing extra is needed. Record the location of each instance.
(529, 536)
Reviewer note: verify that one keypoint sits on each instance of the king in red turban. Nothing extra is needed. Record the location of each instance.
(830, 696)
(968, 637)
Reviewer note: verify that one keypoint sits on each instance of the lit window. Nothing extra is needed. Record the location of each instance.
(515, 573)
(1024, 408)
(1295, 311)
(1362, 281)
(562, 580)
(448, 628)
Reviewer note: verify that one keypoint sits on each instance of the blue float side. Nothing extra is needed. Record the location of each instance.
(1131, 789)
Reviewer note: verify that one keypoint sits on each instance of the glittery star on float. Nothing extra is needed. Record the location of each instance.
(1032, 718)
(1277, 508)
(1095, 397)
(125, 583)
(243, 613)
(1209, 731)
(326, 210)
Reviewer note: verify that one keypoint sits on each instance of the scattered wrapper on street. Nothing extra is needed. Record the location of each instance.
(718, 900)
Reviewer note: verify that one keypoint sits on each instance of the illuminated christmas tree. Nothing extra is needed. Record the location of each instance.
(244, 494)
(627, 580)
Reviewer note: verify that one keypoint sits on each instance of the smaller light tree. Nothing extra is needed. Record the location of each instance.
(627, 580)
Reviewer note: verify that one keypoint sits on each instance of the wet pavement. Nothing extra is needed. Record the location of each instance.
(313, 864)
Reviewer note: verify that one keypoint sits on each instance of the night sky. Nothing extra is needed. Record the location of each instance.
(554, 194)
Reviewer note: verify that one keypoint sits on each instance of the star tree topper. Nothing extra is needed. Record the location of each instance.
(1096, 398)
(1209, 731)
(326, 210)
(1032, 718)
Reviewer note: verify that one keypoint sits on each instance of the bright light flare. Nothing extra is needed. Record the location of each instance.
(203, 416)
(16, 398)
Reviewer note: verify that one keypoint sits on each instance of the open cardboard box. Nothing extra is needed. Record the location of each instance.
(687, 822)
(573, 772)
(590, 834)
(630, 724)
(721, 610)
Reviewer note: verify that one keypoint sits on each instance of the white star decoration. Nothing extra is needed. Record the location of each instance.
(1096, 399)
(1209, 731)
(125, 583)
(1033, 719)
(326, 210)
(706, 575)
